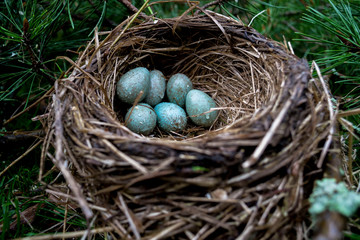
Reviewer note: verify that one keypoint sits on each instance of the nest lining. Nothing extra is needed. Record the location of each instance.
(247, 176)
(227, 72)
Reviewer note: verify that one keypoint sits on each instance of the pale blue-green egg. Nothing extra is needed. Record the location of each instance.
(141, 119)
(170, 117)
(132, 83)
(177, 88)
(198, 105)
(157, 88)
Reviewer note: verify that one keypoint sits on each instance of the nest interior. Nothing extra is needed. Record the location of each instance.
(246, 177)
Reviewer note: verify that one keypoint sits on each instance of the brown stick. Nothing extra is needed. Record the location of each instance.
(30, 107)
(330, 224)
(216, 2)
(21, 157)
(20, 136)
(347, 113)
(68, 234)
(133, 8)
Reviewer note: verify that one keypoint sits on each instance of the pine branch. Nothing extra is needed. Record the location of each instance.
(340, 39)
(37, 65)
(98, 13)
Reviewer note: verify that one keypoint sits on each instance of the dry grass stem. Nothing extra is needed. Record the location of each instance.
(36, 103)
(21, 157)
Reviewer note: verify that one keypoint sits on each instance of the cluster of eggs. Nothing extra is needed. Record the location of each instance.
(149, 87)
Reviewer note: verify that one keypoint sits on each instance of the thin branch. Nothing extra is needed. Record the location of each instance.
(216, 2)
(37, 65)
(330, 225)
(133, 8)
(21, 157)
(20, 136)
(67, 235)
(347, 113)
(332, 117)
(31, 106)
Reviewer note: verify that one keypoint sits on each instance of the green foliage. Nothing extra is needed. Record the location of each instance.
(167, 9)
(340, 40)
(352, 236)
(337, 37)
(277, 19)
(332, 196)
(34, 33)
(20, 192)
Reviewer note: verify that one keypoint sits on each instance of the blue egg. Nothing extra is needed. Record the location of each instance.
(132, 83)
(177, 88)
(157, 88)
(170, 117)
(197, 104)
(141, 119)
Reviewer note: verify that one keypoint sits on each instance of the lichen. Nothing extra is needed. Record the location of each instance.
(333, 196)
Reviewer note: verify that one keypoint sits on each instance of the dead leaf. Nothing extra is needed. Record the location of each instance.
(26, 217)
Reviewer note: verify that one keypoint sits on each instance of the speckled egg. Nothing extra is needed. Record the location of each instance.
(177, 88)
(170, 117)
(197, 103)
(157, 88)
(141, 119)
(132, 83)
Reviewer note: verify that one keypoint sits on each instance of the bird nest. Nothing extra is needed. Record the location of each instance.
(246, 177)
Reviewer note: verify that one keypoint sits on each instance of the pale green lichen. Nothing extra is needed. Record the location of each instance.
(333, 196)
